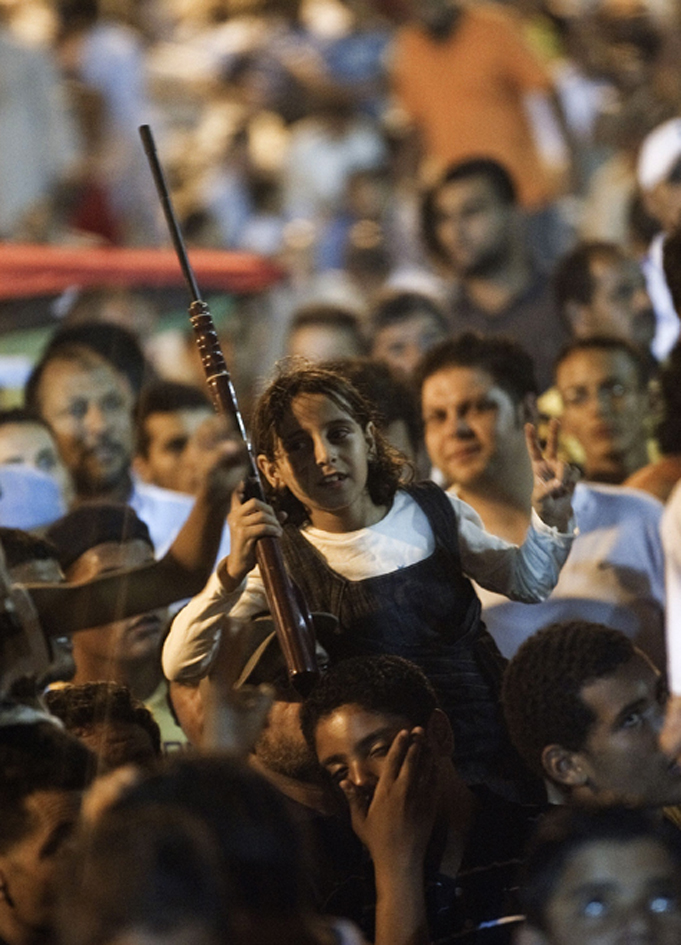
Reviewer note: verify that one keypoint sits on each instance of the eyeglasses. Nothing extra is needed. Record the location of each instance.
(612, 392)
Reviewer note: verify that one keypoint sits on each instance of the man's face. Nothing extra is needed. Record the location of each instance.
(168, 435)
(32, 444)
(474, 226)
(616, 892)
(29, 868)
(352, 744)
(621, 761)
(472, 426)
(604, 407)
(123, 641)
(88, 406)
(620, 305)
(402, 345)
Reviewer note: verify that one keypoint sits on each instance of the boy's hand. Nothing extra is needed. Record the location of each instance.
(397, 822)
(554, 480)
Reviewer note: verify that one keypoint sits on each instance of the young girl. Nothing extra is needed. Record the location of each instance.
(390, 561)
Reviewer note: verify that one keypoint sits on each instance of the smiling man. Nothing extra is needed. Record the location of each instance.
(476, 395)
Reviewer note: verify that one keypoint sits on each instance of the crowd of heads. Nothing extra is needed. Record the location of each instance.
(426, 308)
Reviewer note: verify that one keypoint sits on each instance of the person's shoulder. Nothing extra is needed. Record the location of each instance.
(620, 500)
(145, 493)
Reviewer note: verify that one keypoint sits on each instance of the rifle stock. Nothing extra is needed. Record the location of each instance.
(292, 620)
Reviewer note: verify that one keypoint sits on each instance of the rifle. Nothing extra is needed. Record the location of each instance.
(292, 620)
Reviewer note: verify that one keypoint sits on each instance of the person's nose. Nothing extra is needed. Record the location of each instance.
(324, 453)
(459, 424)
(94, 421)
(361, 775)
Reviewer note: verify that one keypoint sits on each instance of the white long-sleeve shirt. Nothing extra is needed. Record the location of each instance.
(402, 538)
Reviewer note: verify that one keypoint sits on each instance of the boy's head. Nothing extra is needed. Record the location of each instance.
(601, 877)
(356, 710)
(583, 708)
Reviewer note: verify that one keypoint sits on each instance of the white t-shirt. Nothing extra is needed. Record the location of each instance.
(402, 538)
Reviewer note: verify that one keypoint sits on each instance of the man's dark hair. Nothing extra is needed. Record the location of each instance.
(572, 278)
(565, 831)
(391, 397)
(20, 415)
(164, 397)
(542, 685)
(36, 756)
(386, 684)
(669, 429)
(509, 365)
(101, 703)
(397, 307)
(114, 344)
(20, 547)
(609, 344)
(495, 174)
(328, 315)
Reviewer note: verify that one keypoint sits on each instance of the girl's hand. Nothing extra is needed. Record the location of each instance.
(554, 480)
(248, 521)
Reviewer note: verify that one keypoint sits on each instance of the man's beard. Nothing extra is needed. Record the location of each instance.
(487, 264)
(293, 759)
(92, 482)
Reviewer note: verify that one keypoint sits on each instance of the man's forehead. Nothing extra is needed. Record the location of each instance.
(592, 364)
(457, 192)
(81, 370)
(352, 723)
(634, 679)
(454, 382)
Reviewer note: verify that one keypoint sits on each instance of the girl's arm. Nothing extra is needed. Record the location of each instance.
(235, 588)
(65, 608)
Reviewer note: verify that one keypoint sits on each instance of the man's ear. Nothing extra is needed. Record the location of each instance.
(563, 766)
(439, 732)
(270, 471)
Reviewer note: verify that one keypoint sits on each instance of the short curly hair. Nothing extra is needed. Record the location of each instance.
(101, 703)
(542, 685)
(387, 684)
(507, 363)
(386, 469)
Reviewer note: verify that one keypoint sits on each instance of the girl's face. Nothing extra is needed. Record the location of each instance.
(322, 457)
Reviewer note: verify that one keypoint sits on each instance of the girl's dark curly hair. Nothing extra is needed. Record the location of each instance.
(387, 468)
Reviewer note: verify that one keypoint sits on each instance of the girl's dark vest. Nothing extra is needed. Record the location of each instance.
(428, 613)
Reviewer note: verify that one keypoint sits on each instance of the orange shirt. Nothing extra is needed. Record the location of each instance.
(465, 94)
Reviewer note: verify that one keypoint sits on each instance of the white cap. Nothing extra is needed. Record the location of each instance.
(659, 153)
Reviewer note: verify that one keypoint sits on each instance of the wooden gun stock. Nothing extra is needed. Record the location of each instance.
(292, 620)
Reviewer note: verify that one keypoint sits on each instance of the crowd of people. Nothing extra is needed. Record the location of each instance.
(463, 398)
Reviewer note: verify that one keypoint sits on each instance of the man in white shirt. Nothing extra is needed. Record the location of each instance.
(476, 395)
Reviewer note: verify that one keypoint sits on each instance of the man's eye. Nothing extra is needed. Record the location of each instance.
(632, 720)
(338, 774)
(46, 462)
(380, 750)
(112, 402)
(661, 904)
(77, 409)
(595, 909)
(340, 433)
(433, 419)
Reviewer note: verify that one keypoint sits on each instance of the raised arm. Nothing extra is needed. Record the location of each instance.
(181, 573)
